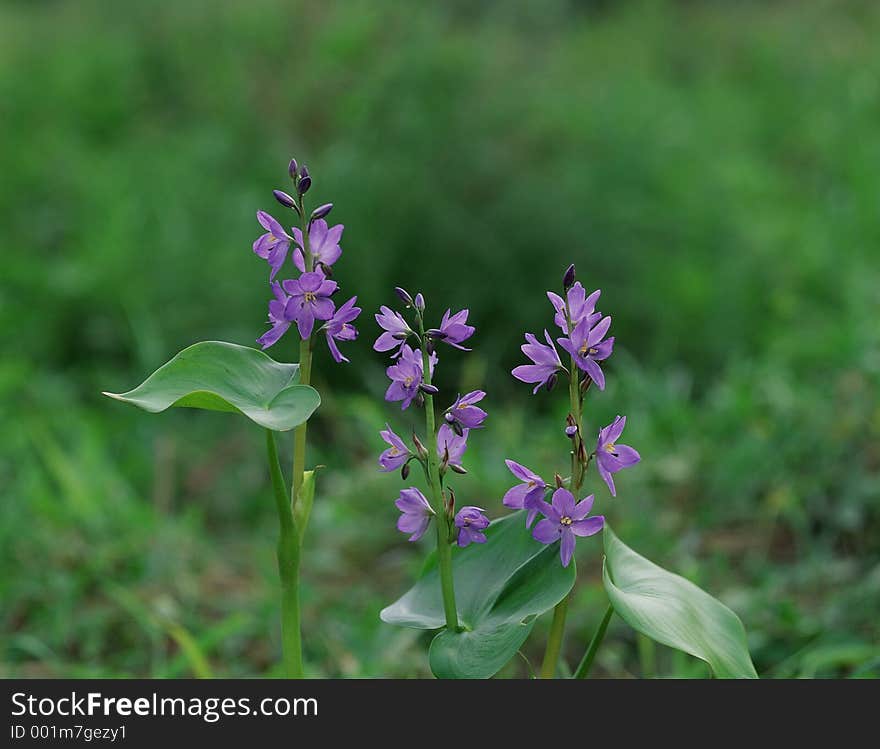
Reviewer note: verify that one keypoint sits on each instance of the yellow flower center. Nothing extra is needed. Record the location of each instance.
(408, 381)
(566, 520)
(610, 447)
(310, 296)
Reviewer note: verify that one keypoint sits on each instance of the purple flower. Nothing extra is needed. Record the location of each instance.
(565, 520)
(406, 375)
(610, 457)
(577, 305)
(455, 444)
(416, 513)
(339, 328)
(396, 455)
(277, 316)
(274, 244)
(587, 347)
(309, 300)
(527, 495)
(395, 327)
(465, 412)
(471, 522)
(545, 362)
(454, 330)
(323, 243)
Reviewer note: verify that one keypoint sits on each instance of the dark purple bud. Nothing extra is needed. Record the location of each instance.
(283, 198)
(304, 172)
(420, 448)
(404, 471)
(420, 302)
(568, 278)
(456, 427)
(551, 382)
(321, 211)
(458, 469)
(304, 184)
(436, 333)
(404, 296)
(428, 389)
(571, 431)
(559, 481)
(292, 169)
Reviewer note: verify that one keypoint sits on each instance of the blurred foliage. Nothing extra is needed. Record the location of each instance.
(711, 166)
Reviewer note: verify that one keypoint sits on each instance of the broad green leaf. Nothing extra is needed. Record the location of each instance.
(218, 376)
(675, 612)
(500, 588)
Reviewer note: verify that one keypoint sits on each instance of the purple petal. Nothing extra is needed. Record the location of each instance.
(582, 508)
(547, 531)
(566, 549)
(589, 526)
(521, 472)
(563, 502)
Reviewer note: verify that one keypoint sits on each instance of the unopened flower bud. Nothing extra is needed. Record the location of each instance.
(559, 481)
(551, 382)
(420, 448)
(568, 278)
(420, 302)
(428, 389)
(404, 471)
(292, 169)
(304, 184)
(283, 198)
(436, 333)
(321, 211)
(404, 296)
(458, 468)
(571, 431)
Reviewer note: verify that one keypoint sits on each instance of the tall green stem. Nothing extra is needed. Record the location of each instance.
(587, 661)
(288, 566)
(557, 627)
(444, 537)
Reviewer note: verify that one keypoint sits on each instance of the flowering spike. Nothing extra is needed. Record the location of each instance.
(568, 278)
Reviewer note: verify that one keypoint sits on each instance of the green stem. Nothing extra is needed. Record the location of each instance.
(557, 627)
(587, 661)
(554, 640)
(444, 535)
(288, 566)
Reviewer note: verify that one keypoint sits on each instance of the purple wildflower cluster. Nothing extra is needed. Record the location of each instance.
(307, 299)
(584, 338)
(411, 375)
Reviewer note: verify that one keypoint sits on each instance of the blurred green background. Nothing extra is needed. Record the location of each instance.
(712, 166)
